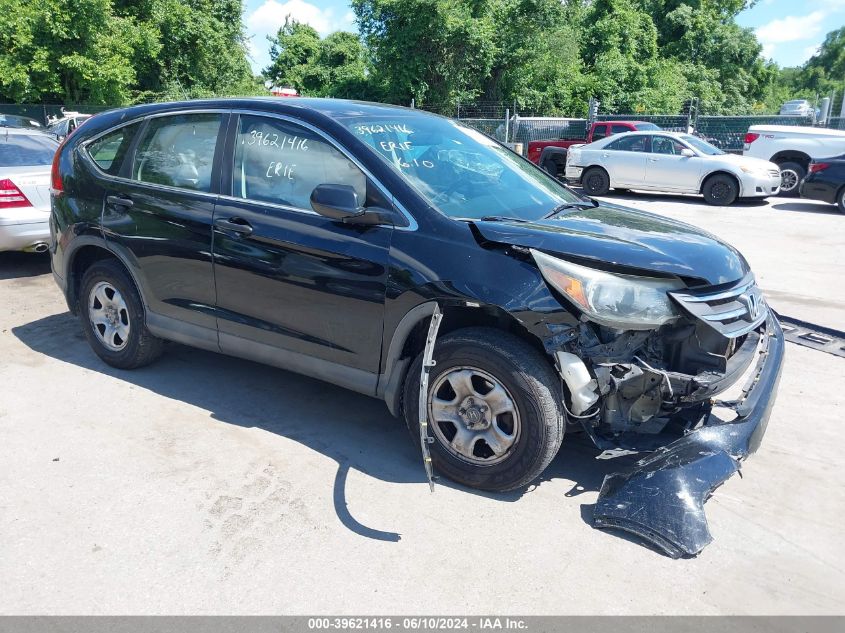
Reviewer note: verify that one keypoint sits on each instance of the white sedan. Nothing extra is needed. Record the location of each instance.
(672, 162)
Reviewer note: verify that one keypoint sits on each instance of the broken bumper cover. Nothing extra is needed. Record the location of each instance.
(661, 499)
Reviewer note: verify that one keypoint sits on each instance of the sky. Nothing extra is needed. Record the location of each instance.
(790, 31)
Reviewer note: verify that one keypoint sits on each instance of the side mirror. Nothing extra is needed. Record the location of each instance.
(687, 153)
(337, 202)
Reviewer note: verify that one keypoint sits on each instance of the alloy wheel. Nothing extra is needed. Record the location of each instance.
(788, 180)
(109, 316)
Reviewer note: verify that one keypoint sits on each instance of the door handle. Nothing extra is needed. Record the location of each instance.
(235, 225)
(653, 160)
(119, 201)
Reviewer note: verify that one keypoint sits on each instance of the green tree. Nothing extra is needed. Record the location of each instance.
(73, 51)
(330, 67)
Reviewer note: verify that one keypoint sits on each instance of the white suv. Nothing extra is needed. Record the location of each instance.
(792, 148)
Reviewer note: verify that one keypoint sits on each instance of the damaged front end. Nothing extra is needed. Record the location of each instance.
(654, 390)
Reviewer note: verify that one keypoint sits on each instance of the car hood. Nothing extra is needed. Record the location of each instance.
(626, 238)
(747, 161)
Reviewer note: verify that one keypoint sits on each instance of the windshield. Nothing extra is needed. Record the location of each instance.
(459, 170)
(702, 146)
(646, 126)
(19, 150)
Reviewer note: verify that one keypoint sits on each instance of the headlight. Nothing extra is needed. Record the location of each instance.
(758, 171)
(618, 301)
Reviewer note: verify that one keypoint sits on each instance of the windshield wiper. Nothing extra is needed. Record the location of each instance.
(501, 218)
(570, 205)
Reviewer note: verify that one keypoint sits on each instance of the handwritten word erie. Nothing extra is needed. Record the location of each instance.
(381, 128)
(390, 145)
(280, 170)
(270, 139)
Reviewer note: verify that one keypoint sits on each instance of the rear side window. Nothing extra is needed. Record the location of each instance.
(109, 150)
(20, 150)
(619, 129)
(281, 162)
(178, 151)
(629, 143)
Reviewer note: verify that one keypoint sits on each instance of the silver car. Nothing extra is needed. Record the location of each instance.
(672, 162)
(797, 107)
(25, 159)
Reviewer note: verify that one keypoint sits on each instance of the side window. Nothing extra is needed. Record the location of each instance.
(109, 150)
(281, 162)
(599, 132)
(628, 143)
(619, 129)
(178, 151)
(665, 145)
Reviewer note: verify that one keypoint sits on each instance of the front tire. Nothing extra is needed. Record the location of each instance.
(840, 201)
(112, 317)
(720, 189)
(595, 181)
(494, 409)
(791, 175)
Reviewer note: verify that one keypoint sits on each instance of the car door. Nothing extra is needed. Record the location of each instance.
(295, 288)
(668, 170)
(158, 215)
(625, 160)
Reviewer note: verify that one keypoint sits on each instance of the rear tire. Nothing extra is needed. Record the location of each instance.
(720, 189)
(791, 175)
(595, 181)
(488, 385)
(112, 317)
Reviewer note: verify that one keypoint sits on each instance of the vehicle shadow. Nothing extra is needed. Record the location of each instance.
(807, 206)
(354, 430)
(16, 265)
(689, 199)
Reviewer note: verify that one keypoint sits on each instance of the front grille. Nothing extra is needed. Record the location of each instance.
(774, 173)
(732, 312)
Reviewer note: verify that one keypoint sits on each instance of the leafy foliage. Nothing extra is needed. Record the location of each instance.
(637, 56)
(115, 51)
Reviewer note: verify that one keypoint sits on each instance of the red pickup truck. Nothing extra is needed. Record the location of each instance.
(551, 154)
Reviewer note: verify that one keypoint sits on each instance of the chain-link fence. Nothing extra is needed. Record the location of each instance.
(728, 132)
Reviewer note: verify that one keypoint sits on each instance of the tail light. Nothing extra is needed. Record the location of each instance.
(750, 137)
(11, 196)
(817, 167)
(57, 187)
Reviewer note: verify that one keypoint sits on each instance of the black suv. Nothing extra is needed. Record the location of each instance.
(329, 237)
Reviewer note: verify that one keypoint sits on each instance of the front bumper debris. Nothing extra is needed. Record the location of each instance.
(661, 499)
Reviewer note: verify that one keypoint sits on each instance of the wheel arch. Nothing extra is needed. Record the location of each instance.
(82, 258)
(721, 172)
(792, 155)
(408, 340)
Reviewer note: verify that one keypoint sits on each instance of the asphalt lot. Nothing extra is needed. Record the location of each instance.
(205, 484)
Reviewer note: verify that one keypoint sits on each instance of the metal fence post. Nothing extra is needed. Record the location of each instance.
(507, 123)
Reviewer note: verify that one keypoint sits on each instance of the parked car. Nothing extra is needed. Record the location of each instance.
(797, 107)
(329, 237)
(792, 148)
(551, 154)
(25, 158)
(64, 127)
(14, 120)
(826, 181)
(670, 162)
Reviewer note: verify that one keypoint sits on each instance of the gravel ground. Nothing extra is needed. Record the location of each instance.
(205, 484)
